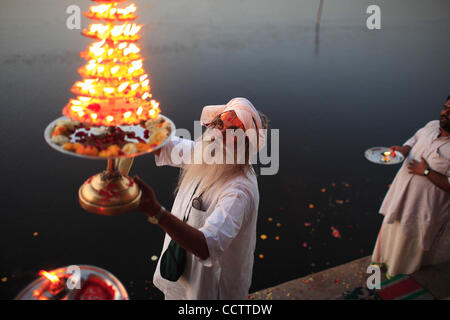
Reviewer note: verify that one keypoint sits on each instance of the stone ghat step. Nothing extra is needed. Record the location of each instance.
(330, 283)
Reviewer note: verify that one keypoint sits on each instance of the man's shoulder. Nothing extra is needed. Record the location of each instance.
(243, 188)
(432, 124)
(243, 183)
(429, 126)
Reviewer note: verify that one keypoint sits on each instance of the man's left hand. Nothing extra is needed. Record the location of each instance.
(418, 168)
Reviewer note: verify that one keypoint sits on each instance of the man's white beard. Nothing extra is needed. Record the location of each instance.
(210, 174)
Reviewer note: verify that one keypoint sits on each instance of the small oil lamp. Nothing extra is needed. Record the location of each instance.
(95, 284)
(386, 156)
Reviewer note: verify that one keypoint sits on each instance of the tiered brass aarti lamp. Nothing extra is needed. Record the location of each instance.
(113, 100)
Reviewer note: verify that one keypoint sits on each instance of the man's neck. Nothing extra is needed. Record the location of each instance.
(443, 133)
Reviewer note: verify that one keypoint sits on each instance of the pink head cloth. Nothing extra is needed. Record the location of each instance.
(245, 111)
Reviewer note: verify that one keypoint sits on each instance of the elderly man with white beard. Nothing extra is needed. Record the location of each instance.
(208, 249)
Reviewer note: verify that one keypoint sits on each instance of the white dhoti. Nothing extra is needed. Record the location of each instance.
(402, 254)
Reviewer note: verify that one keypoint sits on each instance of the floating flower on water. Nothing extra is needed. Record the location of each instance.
(261, 256)
(335, 232)
(278, 224)
(35, 234)
(277, 238)
(311, 206)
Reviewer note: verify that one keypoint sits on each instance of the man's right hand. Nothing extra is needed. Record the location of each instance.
(149, 203)
(404, 150)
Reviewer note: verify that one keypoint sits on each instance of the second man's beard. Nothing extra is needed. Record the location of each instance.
(445, 124)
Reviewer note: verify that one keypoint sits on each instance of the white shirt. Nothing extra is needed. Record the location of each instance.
(422, 208)
(229, 226)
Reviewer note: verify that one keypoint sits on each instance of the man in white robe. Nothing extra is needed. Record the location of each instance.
(416, 209)
(219, 235)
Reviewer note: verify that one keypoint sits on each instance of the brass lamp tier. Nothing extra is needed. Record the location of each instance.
(110, 192)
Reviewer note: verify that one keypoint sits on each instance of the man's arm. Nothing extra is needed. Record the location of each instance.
(174, 153)
(185, 235)
(409, 144)
(435, 177)
(439, 180)
(404, 150)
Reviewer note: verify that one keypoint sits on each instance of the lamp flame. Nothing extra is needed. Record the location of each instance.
(114, 90)
(50, 276)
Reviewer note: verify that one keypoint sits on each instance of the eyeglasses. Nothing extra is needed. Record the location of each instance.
(218, 123)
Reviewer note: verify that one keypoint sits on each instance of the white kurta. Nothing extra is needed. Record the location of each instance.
(229, 226)
(422, 208)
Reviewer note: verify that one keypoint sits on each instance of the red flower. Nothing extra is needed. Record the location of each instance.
(131, 182)
(95, 107)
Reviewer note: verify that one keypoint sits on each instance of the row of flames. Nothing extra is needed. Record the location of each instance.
(110, 12)
(115, 89)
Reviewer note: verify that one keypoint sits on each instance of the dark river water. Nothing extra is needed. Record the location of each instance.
(333, 92)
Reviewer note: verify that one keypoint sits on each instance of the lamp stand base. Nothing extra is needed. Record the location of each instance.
(109, 193)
